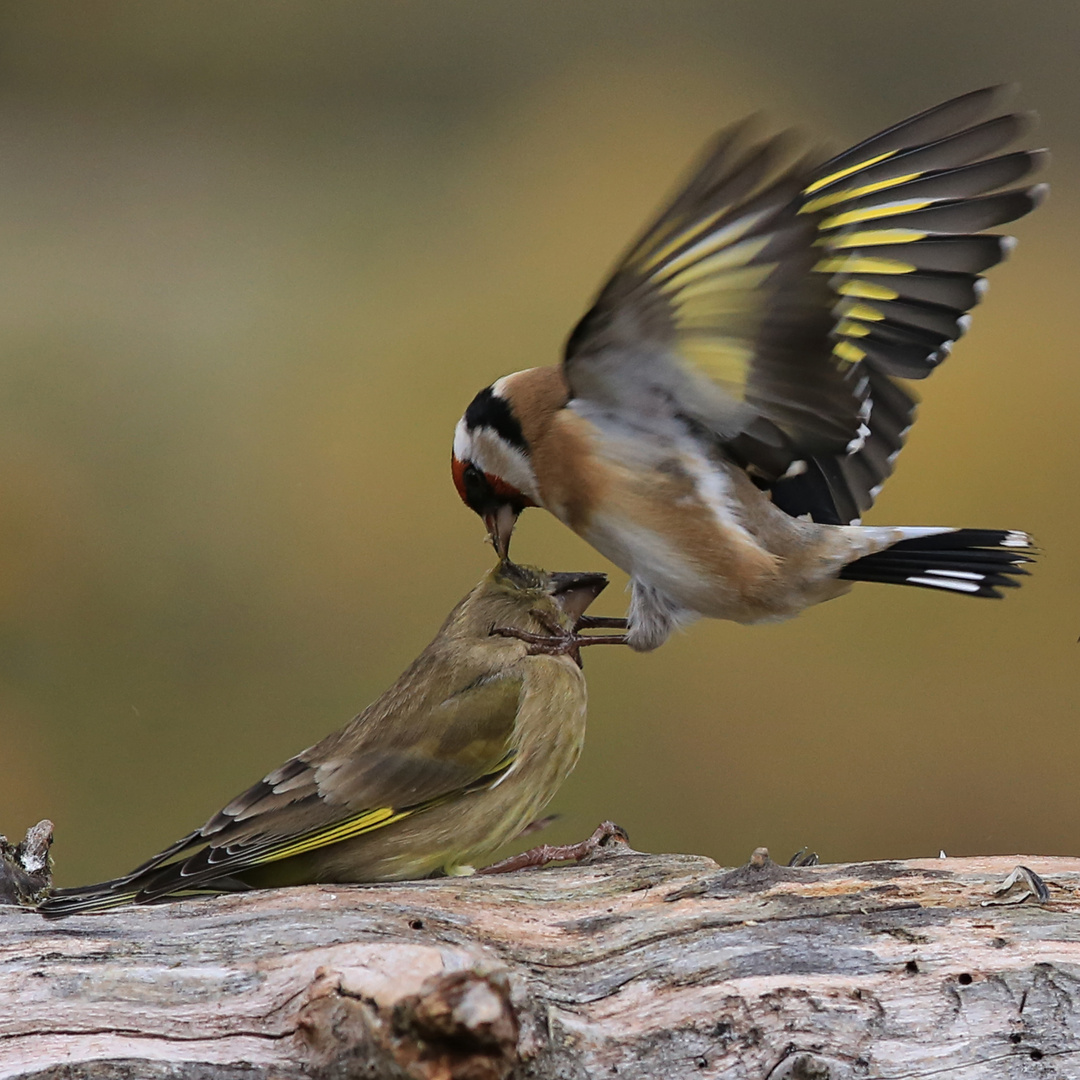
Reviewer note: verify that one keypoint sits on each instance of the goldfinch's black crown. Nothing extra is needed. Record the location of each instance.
(489, 410)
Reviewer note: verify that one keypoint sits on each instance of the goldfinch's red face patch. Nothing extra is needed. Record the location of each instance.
(479, 489)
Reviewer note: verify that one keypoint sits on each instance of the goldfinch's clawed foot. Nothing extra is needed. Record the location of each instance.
(605, 836)
(558, 644)
(600, 639)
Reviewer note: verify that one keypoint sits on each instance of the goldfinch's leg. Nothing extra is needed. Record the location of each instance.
(526, 636)
(558, 644)
(596, 622)
(606, 833)
(561, 643)
(653, 616)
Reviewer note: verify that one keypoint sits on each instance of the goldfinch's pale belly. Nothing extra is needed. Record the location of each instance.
(679, 518)
(707, 538)
(745, 586)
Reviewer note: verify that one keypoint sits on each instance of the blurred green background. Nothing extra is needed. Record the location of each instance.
(255, 259)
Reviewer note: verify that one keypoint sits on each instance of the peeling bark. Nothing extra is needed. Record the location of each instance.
(652, 967)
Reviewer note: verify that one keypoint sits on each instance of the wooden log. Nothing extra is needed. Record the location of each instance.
(658, 967)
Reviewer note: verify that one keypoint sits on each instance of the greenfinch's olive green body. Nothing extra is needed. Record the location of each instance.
(456, 758)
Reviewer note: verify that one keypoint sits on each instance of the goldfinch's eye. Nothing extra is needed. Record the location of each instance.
(477, 488)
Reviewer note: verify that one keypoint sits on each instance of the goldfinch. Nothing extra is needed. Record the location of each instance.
(457, 757)
(732, 402)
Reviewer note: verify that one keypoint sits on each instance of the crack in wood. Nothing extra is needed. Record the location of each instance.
(151, 1036)
(945, 1070)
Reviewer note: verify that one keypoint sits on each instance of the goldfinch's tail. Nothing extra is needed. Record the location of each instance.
(972, 562)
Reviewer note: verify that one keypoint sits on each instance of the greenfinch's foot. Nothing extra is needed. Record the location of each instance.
(606, 833)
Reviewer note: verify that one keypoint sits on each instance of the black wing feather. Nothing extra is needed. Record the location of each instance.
(770, 307)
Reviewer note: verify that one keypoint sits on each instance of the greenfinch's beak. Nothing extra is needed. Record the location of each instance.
(500, 524)
(575, 592)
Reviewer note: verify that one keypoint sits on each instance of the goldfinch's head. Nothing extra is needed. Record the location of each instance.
(492, 469)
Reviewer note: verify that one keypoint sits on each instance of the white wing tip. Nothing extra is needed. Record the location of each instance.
(944, 583)
(1015, 538)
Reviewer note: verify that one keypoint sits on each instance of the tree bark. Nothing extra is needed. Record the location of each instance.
(656, 967)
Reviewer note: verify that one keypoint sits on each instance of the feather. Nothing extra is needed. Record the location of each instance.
(750, 306)
(974, 562)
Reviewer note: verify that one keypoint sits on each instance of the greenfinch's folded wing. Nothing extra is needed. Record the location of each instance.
(354, 781)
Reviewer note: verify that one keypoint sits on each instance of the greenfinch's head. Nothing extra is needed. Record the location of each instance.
(529, 599)
(554, 598)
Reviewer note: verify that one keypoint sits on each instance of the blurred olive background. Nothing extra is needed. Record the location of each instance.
(255, 259)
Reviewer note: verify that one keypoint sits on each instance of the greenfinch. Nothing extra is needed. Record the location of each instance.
(459, 756)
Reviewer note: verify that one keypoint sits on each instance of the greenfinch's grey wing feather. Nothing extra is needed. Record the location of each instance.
(768, 301)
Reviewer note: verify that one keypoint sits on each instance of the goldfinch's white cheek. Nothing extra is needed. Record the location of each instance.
(496, 457)
(462, 442)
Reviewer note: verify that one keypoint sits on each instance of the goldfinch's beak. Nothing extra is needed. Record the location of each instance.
(575, 592)
(500, 524)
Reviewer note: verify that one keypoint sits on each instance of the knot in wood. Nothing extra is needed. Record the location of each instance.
(460, 1026)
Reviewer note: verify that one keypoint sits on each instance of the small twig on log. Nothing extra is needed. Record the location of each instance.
(26, 867)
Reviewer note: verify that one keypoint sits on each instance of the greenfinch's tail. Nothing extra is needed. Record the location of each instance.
(87, 899)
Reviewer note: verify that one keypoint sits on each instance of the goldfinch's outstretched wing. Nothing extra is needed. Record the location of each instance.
(772, 304)
(351, 783)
